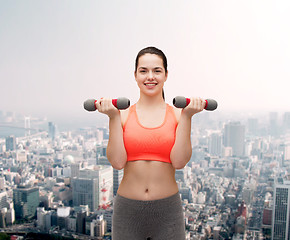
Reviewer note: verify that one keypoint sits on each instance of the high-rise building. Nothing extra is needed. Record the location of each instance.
(27, 125)
(26, 201)
(10, 143)
(234, 137)
(93, 187)
(3, 200)
(75, 169)
(253, 126)
(281, 211)
(215, 144)
(286, 120)
(51, 130)
(85, 192)
(43, 219)
(273, 124)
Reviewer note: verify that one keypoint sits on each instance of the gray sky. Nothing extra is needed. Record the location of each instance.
(56, 54)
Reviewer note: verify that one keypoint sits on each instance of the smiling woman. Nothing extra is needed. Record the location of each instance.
(149, 140)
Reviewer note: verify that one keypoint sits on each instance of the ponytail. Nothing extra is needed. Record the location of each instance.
(163, 95)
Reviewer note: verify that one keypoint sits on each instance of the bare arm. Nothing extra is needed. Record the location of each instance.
(116, 152)
(182, 149)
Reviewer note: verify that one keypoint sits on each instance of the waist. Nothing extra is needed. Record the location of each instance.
(148, 180)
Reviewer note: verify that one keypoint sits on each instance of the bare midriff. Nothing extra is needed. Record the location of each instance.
(148, 180)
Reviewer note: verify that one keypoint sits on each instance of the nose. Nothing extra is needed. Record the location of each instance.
(150, 75)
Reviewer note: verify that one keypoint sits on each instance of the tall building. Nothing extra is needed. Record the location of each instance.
(273, 124)
(27, 125)
(85, 192)
(286, 120)
(10, 143)
(93, 187)
(281, 211)
(253, 126)
(51, 130)
(26, 201)
(215, 144)
(75, 169)
(3, 200)
(234, 137)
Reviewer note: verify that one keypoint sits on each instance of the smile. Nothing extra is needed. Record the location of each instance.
(150, 84)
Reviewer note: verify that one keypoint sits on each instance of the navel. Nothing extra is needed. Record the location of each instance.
(146, 190)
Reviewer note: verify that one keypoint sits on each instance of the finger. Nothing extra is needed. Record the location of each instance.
(195, 103)
(108, 103)
(200, 104)
(99, 104)
(203, 103)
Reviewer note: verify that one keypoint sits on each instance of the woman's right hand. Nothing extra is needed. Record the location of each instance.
(104, 105)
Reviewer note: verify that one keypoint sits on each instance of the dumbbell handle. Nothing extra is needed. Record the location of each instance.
(182, 102)
(120, 103)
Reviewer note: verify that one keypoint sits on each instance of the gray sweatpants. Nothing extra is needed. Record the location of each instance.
(161, 219)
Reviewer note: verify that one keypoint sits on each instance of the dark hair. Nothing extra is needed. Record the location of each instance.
(156, 51)
(151, 50)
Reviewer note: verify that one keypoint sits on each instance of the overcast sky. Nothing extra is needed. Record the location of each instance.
(55, 54)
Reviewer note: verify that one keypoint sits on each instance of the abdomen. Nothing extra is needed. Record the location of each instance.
(148, 180)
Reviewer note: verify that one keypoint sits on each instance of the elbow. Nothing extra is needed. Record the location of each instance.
(118, 166)
(178, 165)
(118, 163)
(180, 161)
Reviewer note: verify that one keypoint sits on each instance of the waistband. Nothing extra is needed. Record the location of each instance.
(173, 199)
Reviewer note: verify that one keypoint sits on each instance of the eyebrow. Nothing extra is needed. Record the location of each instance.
(147, 68)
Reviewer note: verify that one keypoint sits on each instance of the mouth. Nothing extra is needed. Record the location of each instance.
(150, 84)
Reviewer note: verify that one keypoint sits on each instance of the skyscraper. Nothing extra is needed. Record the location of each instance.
(281, 211)
(273, 124)
(26, 201)
(286, 120)
(234, 137)
(253, 126)
(52, 130)
(93, 187)
(10, 143)
(215, 144)
(85, 192)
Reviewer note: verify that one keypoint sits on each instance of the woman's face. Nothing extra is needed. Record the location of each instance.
(150, 74)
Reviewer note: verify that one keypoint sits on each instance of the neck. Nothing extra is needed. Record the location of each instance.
(155, 101)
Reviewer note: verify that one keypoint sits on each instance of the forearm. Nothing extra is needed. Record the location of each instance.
(182, 149)
(116, 152)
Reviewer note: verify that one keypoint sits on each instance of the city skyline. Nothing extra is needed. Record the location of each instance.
(55, 55)
(226, 190)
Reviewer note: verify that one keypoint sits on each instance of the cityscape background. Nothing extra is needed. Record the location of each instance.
(54, 175)
(60, 183)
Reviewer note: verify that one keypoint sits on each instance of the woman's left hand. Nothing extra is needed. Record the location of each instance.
(196, 105)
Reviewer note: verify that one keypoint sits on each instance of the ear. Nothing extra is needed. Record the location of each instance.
(166, 75)
(135, 74)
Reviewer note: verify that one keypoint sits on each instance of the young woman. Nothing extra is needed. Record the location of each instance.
(149, 140)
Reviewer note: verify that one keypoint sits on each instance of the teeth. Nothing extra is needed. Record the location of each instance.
(150, 84)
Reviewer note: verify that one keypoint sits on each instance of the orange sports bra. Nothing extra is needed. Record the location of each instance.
(152, 144)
